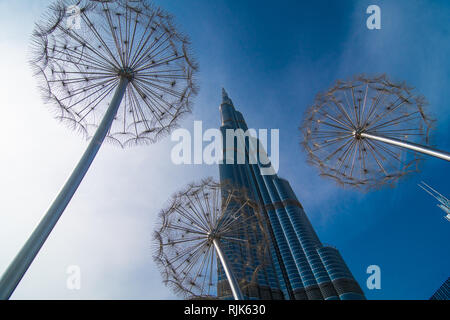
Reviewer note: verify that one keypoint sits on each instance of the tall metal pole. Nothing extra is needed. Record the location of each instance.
(26, 255)
(412, 146)
(237, 293)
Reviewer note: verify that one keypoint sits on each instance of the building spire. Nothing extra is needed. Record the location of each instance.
(225, 98)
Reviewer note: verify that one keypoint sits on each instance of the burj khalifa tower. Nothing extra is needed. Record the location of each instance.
(302, 267)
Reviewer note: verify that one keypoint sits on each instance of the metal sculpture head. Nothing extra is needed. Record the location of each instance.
(188, 226)
(80, 65)
(335, 126)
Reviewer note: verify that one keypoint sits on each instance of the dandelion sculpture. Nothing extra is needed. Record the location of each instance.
(355, 132)
(122, 72)
(204, 223)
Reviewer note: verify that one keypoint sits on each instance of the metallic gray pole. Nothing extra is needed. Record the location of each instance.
(412, 146)
(26, 255)
(234, 285)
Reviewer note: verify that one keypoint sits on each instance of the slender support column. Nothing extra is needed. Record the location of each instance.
(234, 285)
(412, 146)
(26, 255)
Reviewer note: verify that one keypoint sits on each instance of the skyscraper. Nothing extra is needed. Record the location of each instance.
(443, 293)
(444, 203)
(302, 267)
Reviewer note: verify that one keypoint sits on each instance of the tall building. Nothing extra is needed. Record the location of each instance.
(443, 293)
(444, 203)
(302, 268)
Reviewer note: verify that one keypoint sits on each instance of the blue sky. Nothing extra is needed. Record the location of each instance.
(272, 58)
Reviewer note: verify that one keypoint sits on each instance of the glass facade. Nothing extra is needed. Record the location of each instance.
(443, 293)
(301, 267)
